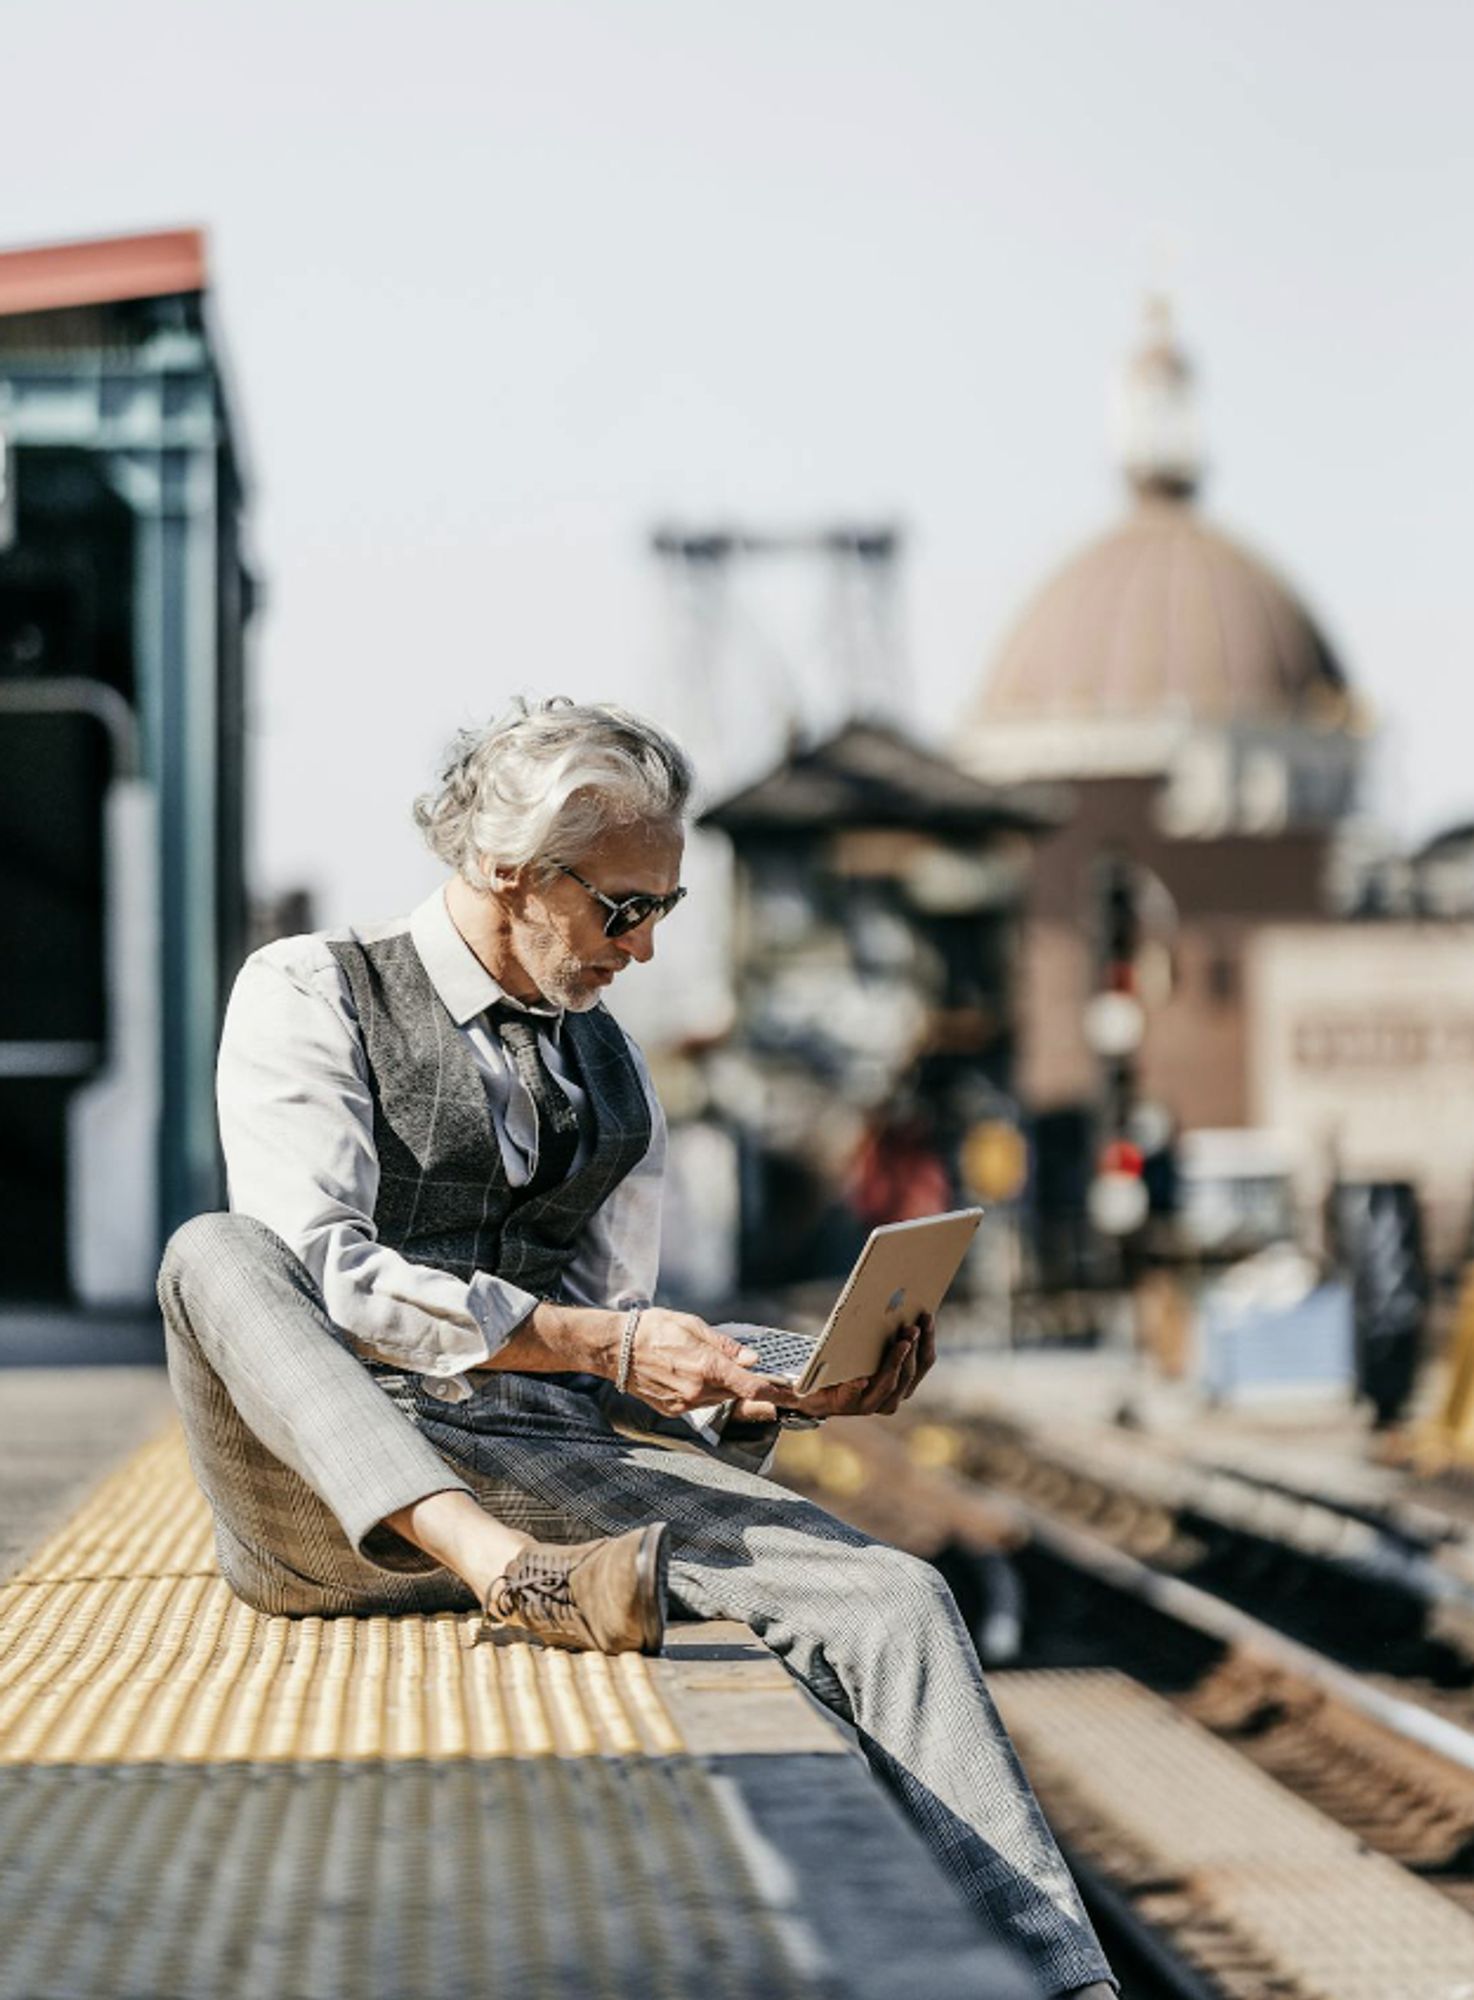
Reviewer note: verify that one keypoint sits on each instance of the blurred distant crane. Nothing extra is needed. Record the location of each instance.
(729, 666)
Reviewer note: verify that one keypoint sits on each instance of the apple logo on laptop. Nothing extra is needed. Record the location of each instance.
(895, 1298)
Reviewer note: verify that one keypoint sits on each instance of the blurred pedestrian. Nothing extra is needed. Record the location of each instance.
(897, 1174)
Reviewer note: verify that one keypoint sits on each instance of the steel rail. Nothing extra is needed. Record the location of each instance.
(1113, 1909)
(1238, 1629)
(1189, 1487)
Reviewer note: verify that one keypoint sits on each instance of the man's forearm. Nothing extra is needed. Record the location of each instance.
(557, 1340)
(675, 1363)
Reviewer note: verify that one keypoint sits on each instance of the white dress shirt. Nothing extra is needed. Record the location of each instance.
(296, 1126)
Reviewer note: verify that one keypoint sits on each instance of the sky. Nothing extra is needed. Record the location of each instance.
(505, 282)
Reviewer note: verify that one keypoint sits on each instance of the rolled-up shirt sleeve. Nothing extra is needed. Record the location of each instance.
(296, 1127)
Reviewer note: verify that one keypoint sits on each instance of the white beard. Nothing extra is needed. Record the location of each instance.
(563, 981)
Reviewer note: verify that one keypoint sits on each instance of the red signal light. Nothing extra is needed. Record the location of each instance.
(1121, 1157)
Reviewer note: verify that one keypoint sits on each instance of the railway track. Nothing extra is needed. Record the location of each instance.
(1138, 1591)
(1387, 1594)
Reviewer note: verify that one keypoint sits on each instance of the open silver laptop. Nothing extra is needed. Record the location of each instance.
(904, 1270)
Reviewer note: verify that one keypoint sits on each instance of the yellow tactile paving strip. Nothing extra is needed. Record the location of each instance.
(120, 1644)
(201, 1803)
(1121, 1769)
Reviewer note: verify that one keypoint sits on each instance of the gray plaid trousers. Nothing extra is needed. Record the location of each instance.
(301, 1454)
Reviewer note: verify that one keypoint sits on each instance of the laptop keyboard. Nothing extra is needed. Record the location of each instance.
(779, 1353)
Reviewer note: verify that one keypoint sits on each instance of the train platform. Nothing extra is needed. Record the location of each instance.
(196, 1800)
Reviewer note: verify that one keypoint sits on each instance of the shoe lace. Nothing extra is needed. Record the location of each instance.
(536, 1589)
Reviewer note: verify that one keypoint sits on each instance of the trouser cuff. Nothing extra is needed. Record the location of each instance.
(384, 1546)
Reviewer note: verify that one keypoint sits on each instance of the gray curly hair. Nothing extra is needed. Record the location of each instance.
(545, 780)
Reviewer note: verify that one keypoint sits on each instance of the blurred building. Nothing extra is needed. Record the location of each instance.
(1212, 867)
(1210, 740)
(124, 602)
(875, 898)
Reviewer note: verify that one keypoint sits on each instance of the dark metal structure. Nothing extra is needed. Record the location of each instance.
(124, 603)
(860, 651)
(876, 895)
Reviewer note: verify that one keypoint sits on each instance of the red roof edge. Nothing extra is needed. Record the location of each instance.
(55, 275)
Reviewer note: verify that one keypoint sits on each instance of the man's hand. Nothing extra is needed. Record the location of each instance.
(680, 1363)
(907, 1359)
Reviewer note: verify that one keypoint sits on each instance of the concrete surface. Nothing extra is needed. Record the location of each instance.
(61, 1430)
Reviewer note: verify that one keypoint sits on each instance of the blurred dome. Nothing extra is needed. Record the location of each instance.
(1165, 618)
(1165, 621)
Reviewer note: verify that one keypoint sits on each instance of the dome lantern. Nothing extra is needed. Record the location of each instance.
(1166, 649)
(1157, 415)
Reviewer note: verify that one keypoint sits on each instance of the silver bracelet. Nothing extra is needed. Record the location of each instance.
(627, 1347)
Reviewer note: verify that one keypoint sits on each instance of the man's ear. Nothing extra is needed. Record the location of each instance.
(508, 883)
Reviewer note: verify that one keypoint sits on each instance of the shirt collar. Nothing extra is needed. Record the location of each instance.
(457, 974)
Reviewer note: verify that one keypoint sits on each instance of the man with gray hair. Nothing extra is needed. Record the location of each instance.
(418, 1363)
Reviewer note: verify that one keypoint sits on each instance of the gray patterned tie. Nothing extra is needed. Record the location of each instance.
(557, 1121)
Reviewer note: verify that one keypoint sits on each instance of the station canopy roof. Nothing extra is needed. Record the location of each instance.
(870, 774)
(104, 314)
(52, 277)
(111, 296)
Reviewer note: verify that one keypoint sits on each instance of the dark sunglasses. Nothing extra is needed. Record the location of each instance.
(632, 911)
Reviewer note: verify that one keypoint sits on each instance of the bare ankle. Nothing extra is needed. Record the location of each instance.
(458, 1532)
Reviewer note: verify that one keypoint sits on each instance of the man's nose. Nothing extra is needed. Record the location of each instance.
(639, 943)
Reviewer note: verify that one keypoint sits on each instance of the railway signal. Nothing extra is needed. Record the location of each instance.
(1115, 1024)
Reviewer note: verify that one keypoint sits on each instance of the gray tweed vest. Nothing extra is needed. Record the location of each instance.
(444, 1197)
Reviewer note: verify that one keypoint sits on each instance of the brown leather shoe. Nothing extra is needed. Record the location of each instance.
(606, 1596)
